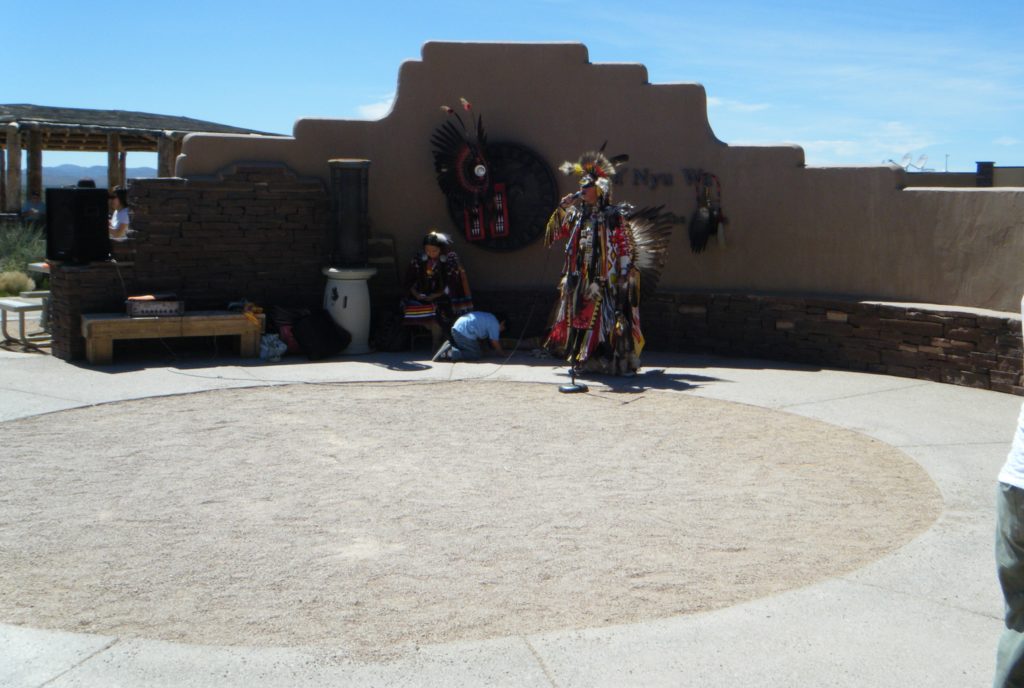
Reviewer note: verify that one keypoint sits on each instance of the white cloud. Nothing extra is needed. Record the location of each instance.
(1007, 141)
(834, 149)
(376, 110)
(735, 105)
(868, 143)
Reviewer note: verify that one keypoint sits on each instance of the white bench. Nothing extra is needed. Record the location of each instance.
(44, 317)
(101, 329)
(21, 306)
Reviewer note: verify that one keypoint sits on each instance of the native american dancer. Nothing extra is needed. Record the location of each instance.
(436, 287)
(597, 320)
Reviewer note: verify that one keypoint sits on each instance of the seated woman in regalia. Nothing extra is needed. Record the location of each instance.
(436, 288)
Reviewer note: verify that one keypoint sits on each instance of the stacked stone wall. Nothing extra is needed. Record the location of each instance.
(256, 232)
(970, 347)
(960, 346)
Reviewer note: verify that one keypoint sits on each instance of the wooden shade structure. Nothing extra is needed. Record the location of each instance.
(36, 128)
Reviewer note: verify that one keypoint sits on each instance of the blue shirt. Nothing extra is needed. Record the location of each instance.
(478, 325)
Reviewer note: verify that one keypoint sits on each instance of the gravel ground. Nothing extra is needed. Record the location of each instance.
(374, 517)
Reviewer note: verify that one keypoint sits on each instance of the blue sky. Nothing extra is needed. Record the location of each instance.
(850, 82)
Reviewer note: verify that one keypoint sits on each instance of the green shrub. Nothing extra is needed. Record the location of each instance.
(21, 243)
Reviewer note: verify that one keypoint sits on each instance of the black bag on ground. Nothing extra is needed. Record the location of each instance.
(319, 336)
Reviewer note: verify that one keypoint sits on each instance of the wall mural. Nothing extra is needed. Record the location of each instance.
(499, 194)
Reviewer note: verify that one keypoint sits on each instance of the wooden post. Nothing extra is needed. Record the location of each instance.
(3, 177)
(13, 198)
(122, 167)
(35, 162)
(165, 155)
(113, 165)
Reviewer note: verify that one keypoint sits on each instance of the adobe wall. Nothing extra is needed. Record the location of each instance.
(852, 232)
(259, 232)
(811, 252)
(1008, 176)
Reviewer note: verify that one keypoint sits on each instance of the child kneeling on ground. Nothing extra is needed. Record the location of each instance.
(467, 334)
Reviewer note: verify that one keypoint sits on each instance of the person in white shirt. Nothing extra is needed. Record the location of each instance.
(119, 220)
(1010, 560)
(33, 210)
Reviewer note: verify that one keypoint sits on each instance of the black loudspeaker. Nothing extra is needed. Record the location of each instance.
(76, 225)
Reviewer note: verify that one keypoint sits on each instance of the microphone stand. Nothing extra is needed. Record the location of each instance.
(574, 386)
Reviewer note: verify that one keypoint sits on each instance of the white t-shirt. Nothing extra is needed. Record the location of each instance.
(1013, 469)
(118, 217)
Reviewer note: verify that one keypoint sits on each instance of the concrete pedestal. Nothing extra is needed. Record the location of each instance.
(347, 298)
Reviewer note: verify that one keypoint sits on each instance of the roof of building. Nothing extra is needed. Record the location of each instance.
(86, 130)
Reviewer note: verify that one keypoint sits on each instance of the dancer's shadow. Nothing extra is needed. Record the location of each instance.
(651, 378)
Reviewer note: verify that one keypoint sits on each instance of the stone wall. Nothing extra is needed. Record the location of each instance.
(97, 288)
(970, 347)
(254, 232)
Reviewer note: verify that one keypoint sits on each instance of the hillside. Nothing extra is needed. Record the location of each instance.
(68, 175)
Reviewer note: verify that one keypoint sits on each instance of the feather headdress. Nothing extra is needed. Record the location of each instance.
(594, 169)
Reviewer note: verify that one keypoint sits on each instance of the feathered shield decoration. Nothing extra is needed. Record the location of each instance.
(465, 174)
(708, 219)
(460, 158)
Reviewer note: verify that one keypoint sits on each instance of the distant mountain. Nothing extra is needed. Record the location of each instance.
(68, 175)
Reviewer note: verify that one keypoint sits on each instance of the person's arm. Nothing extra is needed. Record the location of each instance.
(431, 297)
(494, 336)
(496, 345)
(412, 278)
(422, 296)
(118, 228)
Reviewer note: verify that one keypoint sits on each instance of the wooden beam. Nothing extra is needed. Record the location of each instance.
(13, 197)
(113, 166)
(3, 177)
(35, 163)
(92, 130)
(165, 156)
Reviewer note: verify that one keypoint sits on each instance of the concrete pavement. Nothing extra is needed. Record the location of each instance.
(925, 615)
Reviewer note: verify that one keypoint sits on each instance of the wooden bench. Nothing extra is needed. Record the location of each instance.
(101, 329)
(21, 306)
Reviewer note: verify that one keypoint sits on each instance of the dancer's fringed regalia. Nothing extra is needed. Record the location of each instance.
(597, 321)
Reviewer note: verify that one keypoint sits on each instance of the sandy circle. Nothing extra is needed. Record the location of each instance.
(369, 517)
